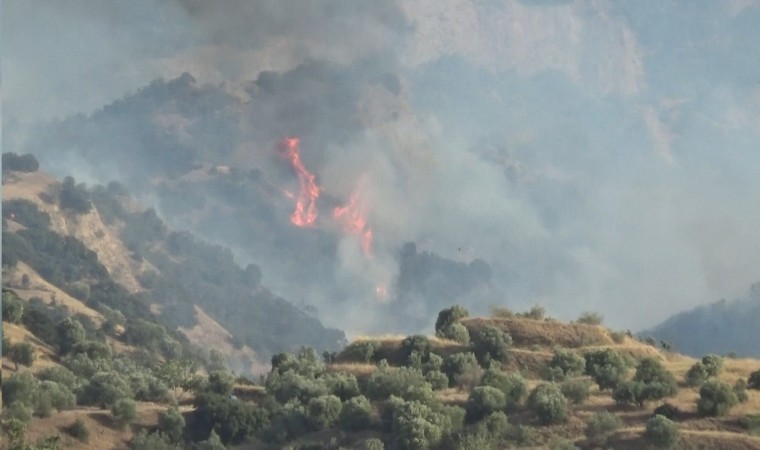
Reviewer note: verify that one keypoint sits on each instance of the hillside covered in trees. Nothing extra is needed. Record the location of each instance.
(124, 264)
(510, 380)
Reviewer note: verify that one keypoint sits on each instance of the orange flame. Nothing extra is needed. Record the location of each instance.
(305, 213)
(353, 221)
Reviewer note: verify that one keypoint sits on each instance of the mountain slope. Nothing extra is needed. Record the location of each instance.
(106, 254)
(207, 160)
(722, 327)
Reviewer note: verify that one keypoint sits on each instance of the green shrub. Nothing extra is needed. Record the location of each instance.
(355, 414)
(433, 363)
(449, 316)
(668, 411)
(124, 411)
(662, 432)
(740, 389)
(492, 344)
(148, 388)
(458, 364)
(525, 435)
(21, 353)
(590, 318)
(93, 350)
(60, 375)
(19, 411)
(502, 312)
(362, 351)
(172, 424)
(323, 412)
(372, 444)
(484, 400)
(418, 427)
(105, 388)
(344, 385)
(657, 382)
(415, 344)
(473, 441)
(233, 420)
(387, 409)
(20, 163)
(79, 431)
(454, 415)
(151, 441)
(293, 386)
(601, 426)
(49, 395)
(751, 423)
(422, 393)
(607, 367)
(716, 398)
(220, 382)
(565, 363)
(713, 363)
(548, 404)
(618, 337)
(558, 443)
(13, 307)
(697, 374)
(629, 393)
(19, 387)
(512, 385)
(494, 425)
(456, 332)
(74, 197)
(385, 382)
(753, 382)
(576, 390)
(437, 379)
(70, 332)
(537, 312)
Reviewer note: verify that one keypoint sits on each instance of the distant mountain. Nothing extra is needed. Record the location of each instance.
(722, 327)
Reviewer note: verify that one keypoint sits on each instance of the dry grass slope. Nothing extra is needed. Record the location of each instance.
(544, 333)
(39, 287)
(207, 333)
(88, 228)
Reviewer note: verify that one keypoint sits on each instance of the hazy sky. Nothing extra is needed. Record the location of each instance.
(601, 155)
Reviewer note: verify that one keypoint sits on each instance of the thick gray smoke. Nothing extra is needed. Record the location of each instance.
(597, 155)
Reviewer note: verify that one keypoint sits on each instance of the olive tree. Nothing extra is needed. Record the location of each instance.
(565, 363)
(21, 353)
(606, 366)
(483, 401)
(548, 404)
(716, 398)
(492, 344)
(662, 432)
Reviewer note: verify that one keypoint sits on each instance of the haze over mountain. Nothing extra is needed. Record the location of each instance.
(723, 327)
(585, 156)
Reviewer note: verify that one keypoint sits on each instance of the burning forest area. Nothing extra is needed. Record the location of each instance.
(369, 224)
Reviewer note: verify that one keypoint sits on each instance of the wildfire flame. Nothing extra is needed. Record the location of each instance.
(350, 216)
(354, 222)
(305, 213)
